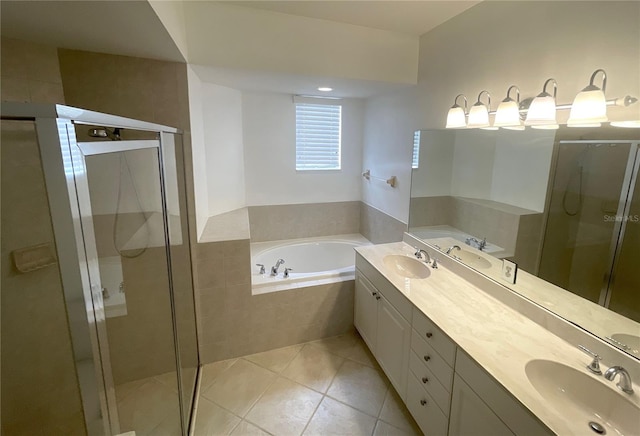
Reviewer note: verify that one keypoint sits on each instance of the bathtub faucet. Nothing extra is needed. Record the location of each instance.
(274, 269)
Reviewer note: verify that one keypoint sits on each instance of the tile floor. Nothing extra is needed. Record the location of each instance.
(149, 406)
(328, 387)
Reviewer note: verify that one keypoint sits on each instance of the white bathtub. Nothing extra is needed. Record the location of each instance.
(314, 261)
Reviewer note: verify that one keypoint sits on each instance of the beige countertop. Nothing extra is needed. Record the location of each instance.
(497, 337)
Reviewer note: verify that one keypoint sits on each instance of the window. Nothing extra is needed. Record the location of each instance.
(416, 149)
(318, 129)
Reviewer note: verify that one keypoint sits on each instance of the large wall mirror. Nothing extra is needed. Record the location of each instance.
(564, 205)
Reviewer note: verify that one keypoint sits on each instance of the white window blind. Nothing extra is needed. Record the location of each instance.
(416, 149)
(318, 131)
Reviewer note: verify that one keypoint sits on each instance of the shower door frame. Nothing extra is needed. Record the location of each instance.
(624, 206)
(75, 239)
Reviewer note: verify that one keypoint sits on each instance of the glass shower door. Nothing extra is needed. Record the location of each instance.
(124, 207)
(581, 226)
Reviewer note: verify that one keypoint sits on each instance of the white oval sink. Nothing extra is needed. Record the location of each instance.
(581, 399)
(407, 266)
(631, 342)
(471, 259)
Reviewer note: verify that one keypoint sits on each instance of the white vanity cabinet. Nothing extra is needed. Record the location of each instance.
(431, 366)
(382, 317)
(480, 405)
(445, 390)
(366, 311)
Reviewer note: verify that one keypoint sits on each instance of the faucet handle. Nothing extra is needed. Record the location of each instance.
(417, 254)
(286, 272)
(594, 366)
(434, 264)
(262, 270)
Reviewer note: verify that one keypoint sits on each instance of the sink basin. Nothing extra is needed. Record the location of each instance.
(582, 399)
(629, 343)
(471, 259)
(407, 266)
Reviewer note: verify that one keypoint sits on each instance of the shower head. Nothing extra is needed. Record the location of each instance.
(105, 133)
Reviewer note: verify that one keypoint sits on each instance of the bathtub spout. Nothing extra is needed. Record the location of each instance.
(274, 269)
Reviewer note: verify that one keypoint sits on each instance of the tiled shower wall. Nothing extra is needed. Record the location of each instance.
(148, 90)
(38, 371)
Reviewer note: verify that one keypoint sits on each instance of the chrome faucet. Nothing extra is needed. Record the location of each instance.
(456, 247)
(594, 366)
(476, 243)
(625, 379)
(286, 272)
(274, 269)
(419, 252)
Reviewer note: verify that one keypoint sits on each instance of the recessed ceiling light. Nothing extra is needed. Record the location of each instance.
(325, 89)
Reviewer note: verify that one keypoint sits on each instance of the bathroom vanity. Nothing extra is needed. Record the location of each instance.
(466, 363)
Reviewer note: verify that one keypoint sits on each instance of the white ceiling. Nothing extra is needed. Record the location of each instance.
(133, 28)
(414, 18)
(264, 81)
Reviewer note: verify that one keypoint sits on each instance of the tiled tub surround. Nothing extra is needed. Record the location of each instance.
(313, 261)
(378, 227)
(234, 322)
(517, 230)
(496, 336)
(292, 221)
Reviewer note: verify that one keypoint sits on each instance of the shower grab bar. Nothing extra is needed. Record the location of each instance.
(391, 181)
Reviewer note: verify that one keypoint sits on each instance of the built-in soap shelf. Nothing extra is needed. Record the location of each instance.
(33, 258)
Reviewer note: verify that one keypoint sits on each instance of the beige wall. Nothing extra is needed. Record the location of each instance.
(40, 393)
(491, 46)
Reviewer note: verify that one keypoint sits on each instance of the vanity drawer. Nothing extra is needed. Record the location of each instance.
(424, 410)
(432, 360)
(430, 383)
(434, 336)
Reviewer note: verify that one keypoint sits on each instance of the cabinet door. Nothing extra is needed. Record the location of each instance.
(393, 345)
(366, 311)
(470, 416)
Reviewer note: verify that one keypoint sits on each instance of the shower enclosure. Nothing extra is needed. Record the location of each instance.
(117, 202)
(593, 225)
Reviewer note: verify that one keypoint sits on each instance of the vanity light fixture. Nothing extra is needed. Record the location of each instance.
(325, 89)
(508, 113)
(542, 112)
(589, 109)
(479, 113)
(456, 118)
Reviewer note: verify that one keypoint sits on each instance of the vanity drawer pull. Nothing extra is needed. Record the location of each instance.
(427, 358)
(423, 402)
(429, 334)
(425, 380)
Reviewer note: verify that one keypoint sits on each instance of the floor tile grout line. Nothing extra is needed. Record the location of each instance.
(324, 395)
(221, 406)
(261, 394)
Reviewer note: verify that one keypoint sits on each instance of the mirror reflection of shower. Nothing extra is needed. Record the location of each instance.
(590, 188)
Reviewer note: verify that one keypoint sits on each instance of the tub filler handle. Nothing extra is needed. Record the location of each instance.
(286, 272)
(262, 270)
(274, 269)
